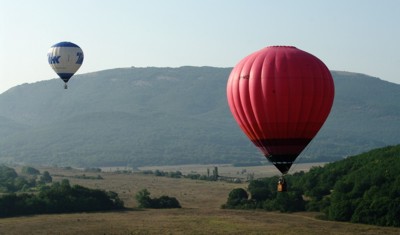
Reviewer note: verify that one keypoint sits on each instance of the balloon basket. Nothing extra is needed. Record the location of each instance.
(282, 186)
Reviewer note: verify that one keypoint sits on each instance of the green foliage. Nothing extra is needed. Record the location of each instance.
(360, 189)
(30, 170)
(145, 201)
(46, 177)
(236, 197)
(368, 193)
(263, 195)
(261, 190)
(165, 202)
(286, 202)
(59, 198)
(171, 174)
(7, 178)
(143, 198)
(7, 173)
(10, 181)
(178, 174)
(86, 177)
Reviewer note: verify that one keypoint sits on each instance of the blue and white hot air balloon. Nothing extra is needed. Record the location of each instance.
(65, 58)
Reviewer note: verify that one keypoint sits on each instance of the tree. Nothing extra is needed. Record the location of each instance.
(115, 199)
(340, 210)
(7, 178)
(261, 190)
(236, 197)
(144, 201)
(290, 201)
(46, 177)
(165, 202)
(360, 189)
(20, 183)
(143, 198)
(59, 198)
(30, 170)
(7, 173)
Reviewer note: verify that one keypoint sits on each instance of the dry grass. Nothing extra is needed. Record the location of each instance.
(200, 214)
(230, 171)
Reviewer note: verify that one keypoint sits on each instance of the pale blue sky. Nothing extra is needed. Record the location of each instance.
(352, 35)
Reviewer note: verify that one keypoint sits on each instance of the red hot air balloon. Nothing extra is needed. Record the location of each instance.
(280, 96)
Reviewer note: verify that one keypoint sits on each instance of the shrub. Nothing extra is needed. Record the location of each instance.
(30, 170)
(144, 201)
(237, 197)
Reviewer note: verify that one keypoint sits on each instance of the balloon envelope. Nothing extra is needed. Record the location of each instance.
(65, 58)
(280, 96)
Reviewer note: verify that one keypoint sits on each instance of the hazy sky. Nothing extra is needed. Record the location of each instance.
(358, 36)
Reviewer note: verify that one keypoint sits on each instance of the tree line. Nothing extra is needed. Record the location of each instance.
(360, 189)
(10, 181)
(33, 193)
(60, 197)
(145, 201)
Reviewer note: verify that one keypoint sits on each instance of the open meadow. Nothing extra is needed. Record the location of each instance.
(200, 212)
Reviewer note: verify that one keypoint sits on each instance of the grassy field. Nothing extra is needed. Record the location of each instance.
(201, 213)
(231, 171)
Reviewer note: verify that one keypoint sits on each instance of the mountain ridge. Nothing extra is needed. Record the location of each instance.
(157, 116)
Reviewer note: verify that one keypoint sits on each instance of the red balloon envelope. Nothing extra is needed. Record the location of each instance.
(280, 96)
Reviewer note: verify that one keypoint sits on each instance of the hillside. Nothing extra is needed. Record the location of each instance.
(362, 189)
(158, 116)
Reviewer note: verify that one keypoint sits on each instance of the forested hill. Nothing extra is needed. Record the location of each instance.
(363, 189)
(155, 116)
